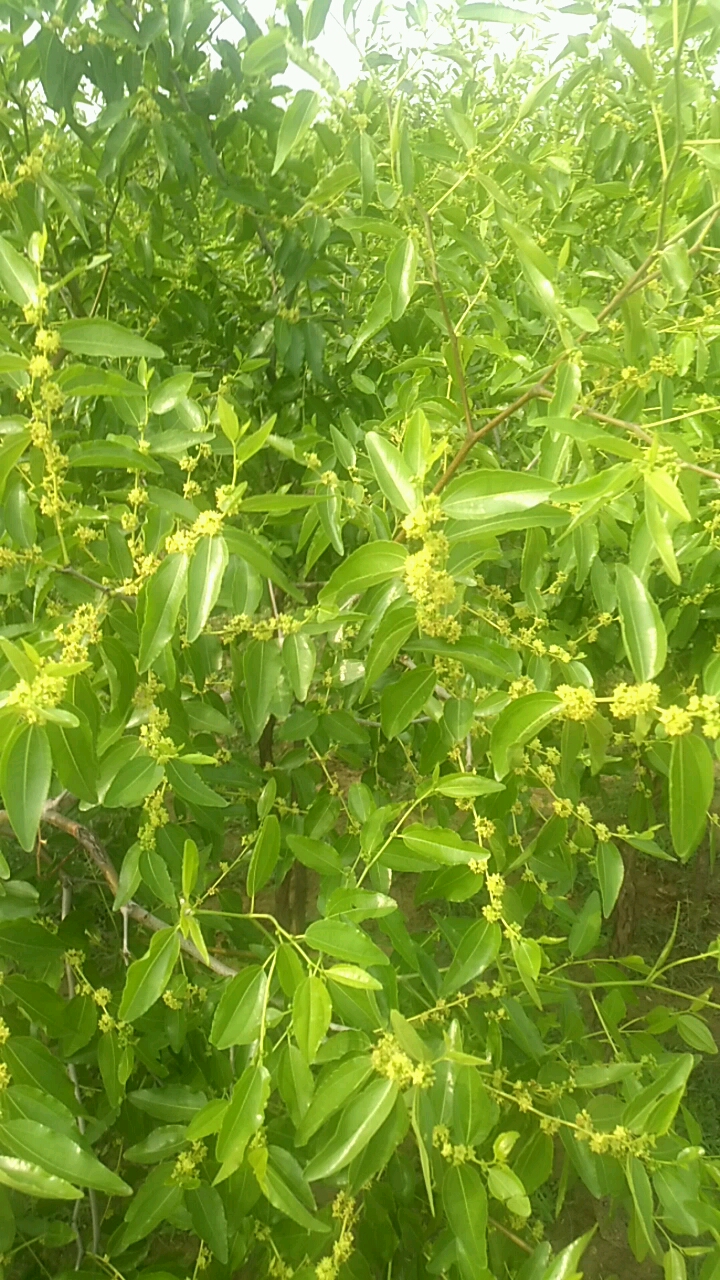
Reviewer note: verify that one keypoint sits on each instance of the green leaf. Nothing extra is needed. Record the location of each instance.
(133, 782)
(345, 941)
(26, 774)
(565, 1264)
(261, 669)
(520, 722)
(465, 1204)
(440, 845)
(478, 949)
(643, 630)
(348, 975)
(264, 855)
(147, 978)
(74, 760)
(642, 1197)
(397, 625)
(187, 783)
(111, 455)
(59, 1155)
(295, 124)
(368, 566)
(11, 451)
(169, 393)
(466, 785)
(611, 873)
(400, 273)
(207, 1212)
(266, 56)
(238, 1016)
(173, 1103)
(696, 1032)
(391, 472)
(356, 1126)
(585, 932)
(16, 276)
(494, 13)
(243, 1118)
(311, 1013)
(692, 784)
(164, 595)
(285, 1186)
(403, 701)
(637, 58)
(205, 575)
(299, 658)
(32, 1180)
(337, 1084)
(316, 855)
(315, 18)
(156, 1200)
(190, 868)
(99, 338)
(377, 317)
(485, 495)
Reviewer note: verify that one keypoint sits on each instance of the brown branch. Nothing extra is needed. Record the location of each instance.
(95, 851)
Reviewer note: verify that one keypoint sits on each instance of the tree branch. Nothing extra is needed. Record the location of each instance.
(97, 854)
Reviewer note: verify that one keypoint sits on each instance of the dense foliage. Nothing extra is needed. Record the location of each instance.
(360, 565)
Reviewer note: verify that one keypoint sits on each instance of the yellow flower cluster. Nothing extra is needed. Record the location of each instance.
(633, 700)
(619, 1143)
(522, 686)
(484, 828)
(185, 1170)
(578, 703)
(208, 525)
(345, 1212)
(676, 721)
(4, 1031)
(495, 885)
(432, 587)
(5, 1076)
(34, 698)
(154, 739)
(418, 524)
(155, 815)
(456, 1154)
(389, 1060)
(707, 707)
(83, 628)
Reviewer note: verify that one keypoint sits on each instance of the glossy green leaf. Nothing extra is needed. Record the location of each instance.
(391, 472)
(611, 873)
(520, 722)
(400, 273)
(403, 701)
(478, 949)
(692, 784)
(239, 1014)
(643, 630)
(59, 1155)
(147, 978)
(345, 941)
(465, 1204)
(25, 782)
(311, 1013)
(205, 575)
(164, 595)
(360, 1120)
(264, 855)
(370, 565)
(242, 1119)
(98, 337)
(295, 124)
(17, 277)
